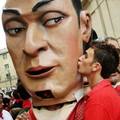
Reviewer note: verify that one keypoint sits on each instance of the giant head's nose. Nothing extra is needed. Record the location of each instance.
(35, 40)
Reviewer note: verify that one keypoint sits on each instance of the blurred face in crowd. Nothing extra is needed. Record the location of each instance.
(114, 42)
(1, 95)
(44, 39)
(115, 77)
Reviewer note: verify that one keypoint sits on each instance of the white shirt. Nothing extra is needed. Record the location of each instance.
(6, 115)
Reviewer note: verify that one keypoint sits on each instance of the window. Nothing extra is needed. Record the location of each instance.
(8, 76)
(4, 56)
(6, 66)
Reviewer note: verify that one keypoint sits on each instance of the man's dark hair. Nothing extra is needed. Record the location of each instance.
(78, 7)
(107, 56)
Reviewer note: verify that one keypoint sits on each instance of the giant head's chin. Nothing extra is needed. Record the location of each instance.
(46, 94)
(48, 98)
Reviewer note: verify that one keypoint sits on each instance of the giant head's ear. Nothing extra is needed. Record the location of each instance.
(85, 25)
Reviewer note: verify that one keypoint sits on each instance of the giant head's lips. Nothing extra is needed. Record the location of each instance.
(39, 71)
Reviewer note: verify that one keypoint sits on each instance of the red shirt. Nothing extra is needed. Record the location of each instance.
(118, 89)
(78, 111)
(103, 103)
(31, 115)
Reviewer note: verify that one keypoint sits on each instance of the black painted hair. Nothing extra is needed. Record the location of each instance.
(78, 7)
(93, 37)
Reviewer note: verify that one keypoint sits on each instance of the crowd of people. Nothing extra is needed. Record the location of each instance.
(14, 103)
(64, 74)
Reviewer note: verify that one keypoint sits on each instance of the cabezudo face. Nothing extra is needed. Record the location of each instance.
(43, 38)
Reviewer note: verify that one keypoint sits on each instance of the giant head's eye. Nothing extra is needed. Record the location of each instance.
(14, 28)
(52, 19)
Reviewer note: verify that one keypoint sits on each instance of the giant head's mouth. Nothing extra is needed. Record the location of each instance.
(46, 94)
(39, 71)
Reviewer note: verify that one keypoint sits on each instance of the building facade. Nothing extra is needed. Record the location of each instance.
(105, 16)
(8, 77)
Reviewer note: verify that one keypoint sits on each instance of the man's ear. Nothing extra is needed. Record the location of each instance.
(96, 67)
(85, 25)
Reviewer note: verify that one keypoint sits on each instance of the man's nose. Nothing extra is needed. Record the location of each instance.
(35, 40)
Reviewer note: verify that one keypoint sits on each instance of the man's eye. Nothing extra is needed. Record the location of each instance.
(14, 31)
(53, 21)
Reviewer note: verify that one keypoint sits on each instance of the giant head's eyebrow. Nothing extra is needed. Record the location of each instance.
(16, 12)
(11, 11)
(40, 4)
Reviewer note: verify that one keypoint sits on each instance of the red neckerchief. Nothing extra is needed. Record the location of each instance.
(31, 114)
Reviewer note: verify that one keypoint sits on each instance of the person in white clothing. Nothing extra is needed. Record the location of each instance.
(4, 115)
